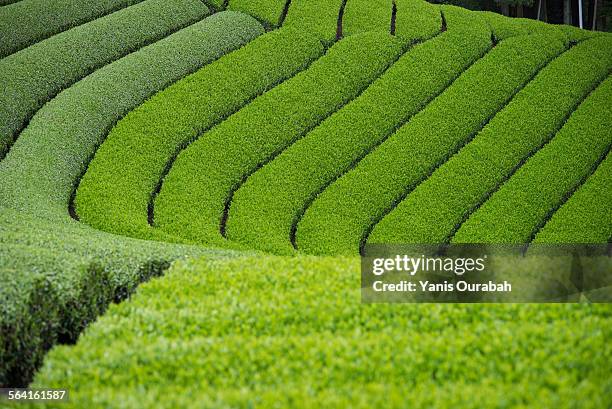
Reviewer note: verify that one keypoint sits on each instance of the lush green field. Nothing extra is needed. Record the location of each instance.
(246, 151)
(291, 332)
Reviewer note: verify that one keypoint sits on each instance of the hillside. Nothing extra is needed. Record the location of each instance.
(239, 141)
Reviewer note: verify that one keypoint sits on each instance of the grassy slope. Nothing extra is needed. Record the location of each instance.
(291, 332)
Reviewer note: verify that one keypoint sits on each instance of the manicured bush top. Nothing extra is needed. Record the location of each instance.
(38, 73)
(130, 164)
(522, 205)
(292, 332)
(28, 21)
(199, 187)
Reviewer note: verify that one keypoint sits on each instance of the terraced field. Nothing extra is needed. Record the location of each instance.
(240, 142)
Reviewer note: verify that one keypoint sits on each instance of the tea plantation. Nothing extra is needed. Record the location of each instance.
(240, 154)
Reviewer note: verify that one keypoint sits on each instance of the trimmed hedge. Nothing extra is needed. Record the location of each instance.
(115, 192)
(587, 216)
(388, 173)
(301, 338)
(515, 212)
(30, 21)
(40, 172)
(46, 68)
(200, 185)
(217, 5)
(267, 206)
(504, 27)
(432, 211)
(361, 16)
(269, 12)
(45, 296)
(57, 277)
(416, 20)
(317, 16)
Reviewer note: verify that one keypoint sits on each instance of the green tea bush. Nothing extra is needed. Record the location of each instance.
(292, 332)
(265, 209)
(504, 27)
(515, 212)
(529, 120)
(198, 189)
(366, 15)
(339, 221)
(115, 192)
(45, 296)
(586, 216)
(29, 21)
(47, 67)
(269, 12)
(40, 172)
(317, 16)
(417, 20)
(38, 176)
(58, 276)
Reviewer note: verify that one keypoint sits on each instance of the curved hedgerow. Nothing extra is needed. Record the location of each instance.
(586, 217)
(199, 187)
(57, 62)
(269, 12)
(416, 20)
(44, 304)
(340, 218)
(300, 337)
(38, 176)
(57, 276)
(40, 172)
(504, 28)
(366, 15)
(265, 209)
(531, 118)
(115, 193)
(29, 21)
(514, 213)
(319, 17)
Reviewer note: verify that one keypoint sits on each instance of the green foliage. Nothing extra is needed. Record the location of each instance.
(269, 12)
(268, 205)
(30, 21)
(406, 158)
(432, 211)
(504, 27)
(291, 332)
(57, 277)
(366, 15)
(514, 213)
(114, 193)
(317, 16)
(195, 192)
(42, 168)
(585, 217)
(51, 65)
(287, 332)
(417, 20)
(74, 269)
